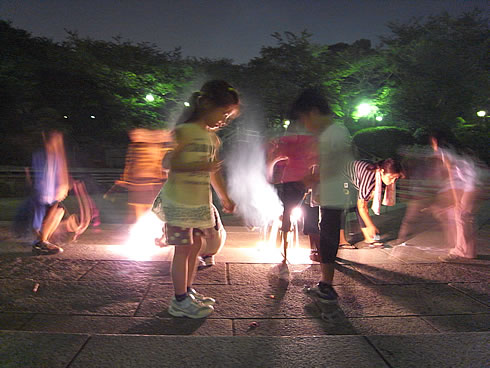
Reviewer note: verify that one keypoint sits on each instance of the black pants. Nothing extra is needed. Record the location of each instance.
(291, 195)
(330, 234)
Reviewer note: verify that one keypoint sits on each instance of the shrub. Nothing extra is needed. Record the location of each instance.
(476, 138)
(381, 142)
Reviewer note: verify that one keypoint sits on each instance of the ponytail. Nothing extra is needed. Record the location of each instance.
(217, 93)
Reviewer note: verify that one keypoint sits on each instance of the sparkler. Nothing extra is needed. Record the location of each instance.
(141, 242)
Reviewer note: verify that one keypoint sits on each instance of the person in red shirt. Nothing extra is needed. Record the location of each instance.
(290, 159)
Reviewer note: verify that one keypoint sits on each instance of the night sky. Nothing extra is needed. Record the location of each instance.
(221, 28)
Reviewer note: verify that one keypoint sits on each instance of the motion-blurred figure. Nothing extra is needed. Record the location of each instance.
(457, 199)
(450, 186)
(50, 184)
(144, 173)
(296, 153)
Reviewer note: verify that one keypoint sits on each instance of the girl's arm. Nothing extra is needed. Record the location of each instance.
(362, 206)
(219, 186)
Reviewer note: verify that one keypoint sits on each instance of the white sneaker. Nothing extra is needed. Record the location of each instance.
(206, 300)
(189, 307)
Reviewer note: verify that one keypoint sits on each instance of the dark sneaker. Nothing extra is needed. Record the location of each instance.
(314, 256)
(45, 248)
(325, 294)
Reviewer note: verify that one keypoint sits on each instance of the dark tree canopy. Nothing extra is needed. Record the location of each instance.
(427, 72)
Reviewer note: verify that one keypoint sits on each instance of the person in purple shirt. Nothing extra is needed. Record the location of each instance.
(50, 184)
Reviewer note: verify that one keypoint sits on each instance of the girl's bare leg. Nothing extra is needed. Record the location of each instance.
(180, 268)
(51, 222)
(192, 260)
(314, 241)
(343, 240)
(285, 242)
(367, 239)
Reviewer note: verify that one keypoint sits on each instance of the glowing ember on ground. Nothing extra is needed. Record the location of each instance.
(270, 247)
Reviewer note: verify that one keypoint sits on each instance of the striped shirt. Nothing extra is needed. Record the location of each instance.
(362, 178)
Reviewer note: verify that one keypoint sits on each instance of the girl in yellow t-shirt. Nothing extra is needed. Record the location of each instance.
(184, 202)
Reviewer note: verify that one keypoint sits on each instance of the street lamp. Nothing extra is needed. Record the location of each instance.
(187, 104)
(149, 97)
(481, 113)
(286, 124)
(364, 109)
(379, 118)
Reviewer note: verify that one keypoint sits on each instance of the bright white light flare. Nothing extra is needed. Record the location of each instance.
(141, 242)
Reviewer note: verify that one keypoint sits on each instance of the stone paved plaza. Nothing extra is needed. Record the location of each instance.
(98, 305)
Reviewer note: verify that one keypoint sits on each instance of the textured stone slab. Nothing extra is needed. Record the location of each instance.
(415, 254)
(31, 349)
(154, 271)
(237, 301)
(405, 300)
(291, 327)
(71, 297)
(13, 321)
(479, 291)
(130, 325)
(443, 350)
(212, 275)
(390, 325)
(366, 256)
(44, 268)
(420, 273)
(166, 351)
(26, 267)
(300, 275)
(460, 323)
(129, 271)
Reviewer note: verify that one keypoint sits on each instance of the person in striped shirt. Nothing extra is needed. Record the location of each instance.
(362, 174)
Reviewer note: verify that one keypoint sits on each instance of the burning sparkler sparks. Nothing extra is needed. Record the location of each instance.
(141, 242)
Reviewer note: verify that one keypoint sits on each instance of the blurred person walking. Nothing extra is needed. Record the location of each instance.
(50, 184)
(311, 108)
(144, 173)
(456, 204)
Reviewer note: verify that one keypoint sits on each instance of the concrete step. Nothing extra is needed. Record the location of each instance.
(31, 349)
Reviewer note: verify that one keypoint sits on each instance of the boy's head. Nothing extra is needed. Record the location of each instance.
(310, 105)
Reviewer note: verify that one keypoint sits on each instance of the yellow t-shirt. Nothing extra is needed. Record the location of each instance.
(185, 199)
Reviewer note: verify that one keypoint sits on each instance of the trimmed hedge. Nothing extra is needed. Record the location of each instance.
(476, 138)
(381, 142)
